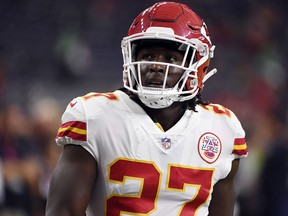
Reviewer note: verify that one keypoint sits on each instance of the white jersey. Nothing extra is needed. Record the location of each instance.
(143, 170)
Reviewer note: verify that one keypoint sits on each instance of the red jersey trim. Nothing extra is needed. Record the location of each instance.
(240, 147)
(74, 129)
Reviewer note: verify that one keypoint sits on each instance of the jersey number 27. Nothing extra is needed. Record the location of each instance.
(145, 202)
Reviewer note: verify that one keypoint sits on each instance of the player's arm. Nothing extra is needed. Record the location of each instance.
(71, 183)
(223, 197)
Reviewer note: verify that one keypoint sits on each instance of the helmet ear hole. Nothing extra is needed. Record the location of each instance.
(205, 69)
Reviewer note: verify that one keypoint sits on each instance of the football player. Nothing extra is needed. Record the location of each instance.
(153, 147)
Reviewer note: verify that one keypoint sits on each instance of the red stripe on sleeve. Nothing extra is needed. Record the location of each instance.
(239, 141)
(240, 152)
(76, 124)
(72, 135)
(74, 130)
(240, 147)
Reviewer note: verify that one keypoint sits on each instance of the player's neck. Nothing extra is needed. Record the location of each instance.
(166, 117)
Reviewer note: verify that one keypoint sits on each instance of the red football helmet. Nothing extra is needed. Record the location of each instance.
(173, 22)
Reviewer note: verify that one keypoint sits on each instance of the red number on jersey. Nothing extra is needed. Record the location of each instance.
(110, 96)
(218, 109)
(182, 177)
(148, 174)
(142, 203)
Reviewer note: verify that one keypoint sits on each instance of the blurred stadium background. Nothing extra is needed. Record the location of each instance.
(54, 50)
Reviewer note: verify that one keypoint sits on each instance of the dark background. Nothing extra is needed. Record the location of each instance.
(54, 50)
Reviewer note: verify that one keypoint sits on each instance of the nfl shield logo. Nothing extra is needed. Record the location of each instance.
(166, 143)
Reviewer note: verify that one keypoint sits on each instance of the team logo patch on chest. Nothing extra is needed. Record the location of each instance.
(209, 147)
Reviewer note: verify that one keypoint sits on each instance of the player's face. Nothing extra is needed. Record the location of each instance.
(152, 75)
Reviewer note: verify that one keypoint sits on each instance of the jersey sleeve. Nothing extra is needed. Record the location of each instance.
(240, 149)
(73, 128)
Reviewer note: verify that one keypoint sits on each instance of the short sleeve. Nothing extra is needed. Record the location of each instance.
(240, 149)
(73, 128)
